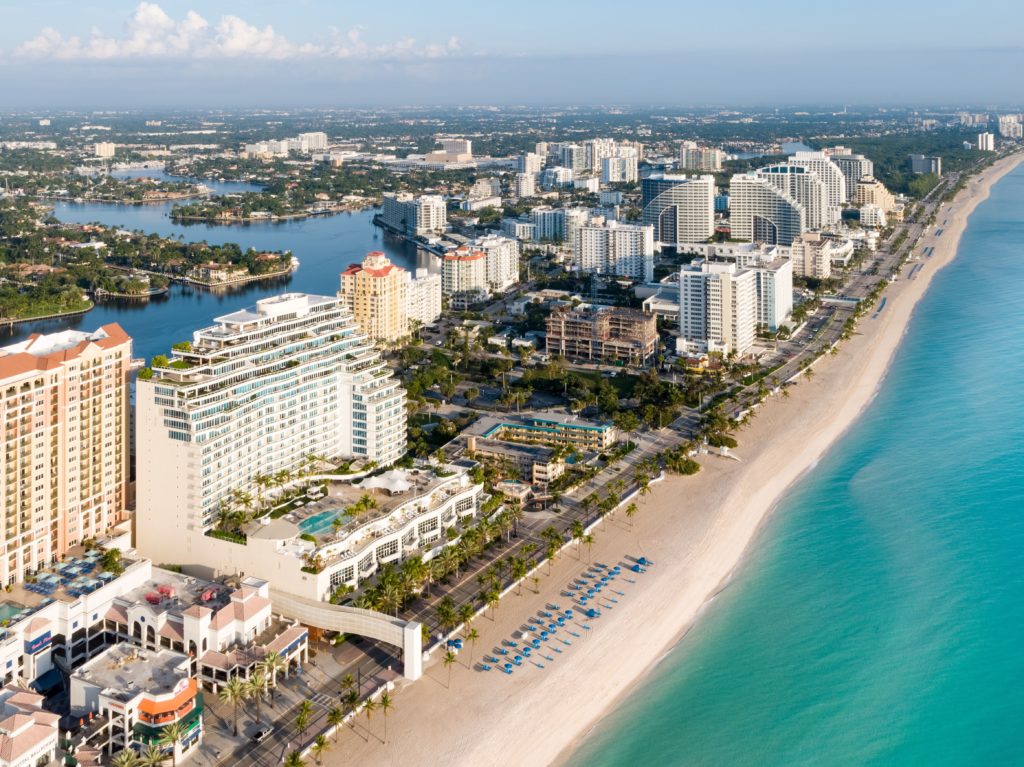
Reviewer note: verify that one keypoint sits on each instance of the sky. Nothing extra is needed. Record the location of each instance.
(192, 53)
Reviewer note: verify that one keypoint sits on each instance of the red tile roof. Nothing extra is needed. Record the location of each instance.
(20, 363)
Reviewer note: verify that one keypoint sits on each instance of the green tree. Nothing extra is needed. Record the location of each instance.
(151, 756)
(319, 747)
(369, 706)
(271, 665)
(631, 511)
(170, 736)
(472, 636)
(335, 719)
(234, 693)
(125, 758)
(449, 660)
(257, 690)
(588, 540)
(386, 705)
(577, 531)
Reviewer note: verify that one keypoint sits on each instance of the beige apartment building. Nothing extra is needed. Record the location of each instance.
(64, 469)
(377, 294)
(870, 191)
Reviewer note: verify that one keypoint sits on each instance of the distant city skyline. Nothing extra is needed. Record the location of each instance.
(177, 53)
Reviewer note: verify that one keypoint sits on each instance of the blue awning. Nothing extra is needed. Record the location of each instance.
(48, 682)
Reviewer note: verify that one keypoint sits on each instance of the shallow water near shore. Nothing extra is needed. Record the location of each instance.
(878, 617)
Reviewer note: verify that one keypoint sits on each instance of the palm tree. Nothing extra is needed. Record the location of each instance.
(125, 758)
(351, 703)
(493, 598)
(417, 573)
(171, 735)
(234, 693)
(449, 660)
(151, 756)
(466, 614)
(588, 539)
(245, 501)
(517, 514)
(272, 663)
(529, 548)
(348, 684)
(451, 560)
(369, 706)
(257, 686)
(386, 704)
(578, 531)
(447, 614)
(282, 478)
(294, 759)
(588, 504)
(519, 570)
(472, 636)
(320, 745)
(263, 483)
(631, 511)
(552, 552)
(643, 482)
(390, 597)
(336, 718)
(302, 720)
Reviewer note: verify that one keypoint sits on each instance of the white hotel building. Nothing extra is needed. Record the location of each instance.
(717, 307)
(501, 262)
(253, 395)
(626, 250)
(760, 211)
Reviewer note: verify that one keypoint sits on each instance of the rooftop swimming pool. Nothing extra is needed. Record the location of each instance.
(322, 522)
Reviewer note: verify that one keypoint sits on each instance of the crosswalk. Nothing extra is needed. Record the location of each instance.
(323, 699)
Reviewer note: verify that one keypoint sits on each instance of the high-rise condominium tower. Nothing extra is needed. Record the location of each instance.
(680, 209)
(760, 211)
(253, 395)
(64, 463)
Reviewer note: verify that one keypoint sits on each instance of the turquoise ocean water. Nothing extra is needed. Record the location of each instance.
(880, 616)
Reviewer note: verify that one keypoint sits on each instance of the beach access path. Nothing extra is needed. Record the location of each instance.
(696, 529)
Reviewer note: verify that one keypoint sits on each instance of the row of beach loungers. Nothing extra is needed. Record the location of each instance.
(540, 639)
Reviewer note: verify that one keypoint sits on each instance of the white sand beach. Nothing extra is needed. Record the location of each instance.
(696, 530)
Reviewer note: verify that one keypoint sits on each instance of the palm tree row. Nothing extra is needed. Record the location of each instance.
(236, 691)
(240, 506)
(398, 585)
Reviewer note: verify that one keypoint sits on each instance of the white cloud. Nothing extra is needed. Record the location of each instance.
(352, 45)
(151, 33)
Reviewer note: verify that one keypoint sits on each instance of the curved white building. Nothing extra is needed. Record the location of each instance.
(760, 211)
(680, 208)
(829, 172)
(804, 186)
